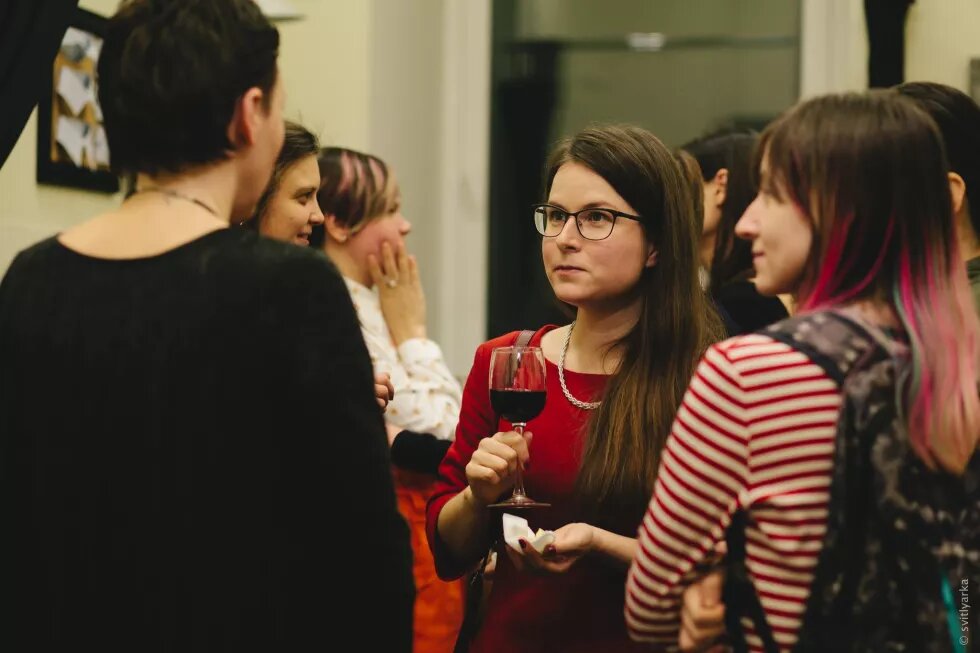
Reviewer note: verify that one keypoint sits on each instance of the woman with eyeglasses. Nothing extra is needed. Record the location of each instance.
(619, 246)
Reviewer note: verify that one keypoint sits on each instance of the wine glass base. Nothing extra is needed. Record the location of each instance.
(519, 503)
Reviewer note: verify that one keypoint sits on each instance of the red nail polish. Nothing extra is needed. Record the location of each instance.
(550, 549)
(523, 544)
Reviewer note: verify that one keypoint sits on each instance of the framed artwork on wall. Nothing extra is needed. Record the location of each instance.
(72, 149)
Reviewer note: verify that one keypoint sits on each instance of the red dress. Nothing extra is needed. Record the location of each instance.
(579, 611)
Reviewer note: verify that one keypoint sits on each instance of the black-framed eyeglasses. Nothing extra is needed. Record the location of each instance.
(592, 223)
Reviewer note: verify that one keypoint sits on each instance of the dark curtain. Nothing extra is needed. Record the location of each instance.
(886, 41)
(524, 102)
(30, 34)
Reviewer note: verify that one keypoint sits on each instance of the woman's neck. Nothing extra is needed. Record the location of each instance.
(706, 250)
(592, 347)
(172, 211)
(212, 187)
(347, 266)
(967, 239)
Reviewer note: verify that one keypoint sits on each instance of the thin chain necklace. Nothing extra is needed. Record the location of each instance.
(180, 196)
(584, 405)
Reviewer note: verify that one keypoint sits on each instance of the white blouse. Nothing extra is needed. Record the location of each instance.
(427, 395)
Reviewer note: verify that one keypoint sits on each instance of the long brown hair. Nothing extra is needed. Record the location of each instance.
(626, 434)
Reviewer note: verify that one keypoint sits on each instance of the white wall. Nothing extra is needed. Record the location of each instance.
(833, 47)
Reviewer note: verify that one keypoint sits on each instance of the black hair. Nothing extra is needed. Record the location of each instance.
(730, 150)
(170, 73)
(958, 119)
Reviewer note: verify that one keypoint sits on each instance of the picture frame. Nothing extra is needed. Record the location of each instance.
(72, 149)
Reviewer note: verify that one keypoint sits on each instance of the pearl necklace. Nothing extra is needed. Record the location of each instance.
(584, 405)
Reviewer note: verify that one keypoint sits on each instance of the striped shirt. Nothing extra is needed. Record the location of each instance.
(756, 432)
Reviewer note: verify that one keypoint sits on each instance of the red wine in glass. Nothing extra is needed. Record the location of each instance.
(517, 394)
(517, 406)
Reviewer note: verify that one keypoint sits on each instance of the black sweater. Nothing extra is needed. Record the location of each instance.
(191, 456)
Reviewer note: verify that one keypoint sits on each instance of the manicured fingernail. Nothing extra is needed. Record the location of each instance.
(523, 544)
(550, 549)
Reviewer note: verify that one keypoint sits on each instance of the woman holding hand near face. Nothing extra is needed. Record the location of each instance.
(364, 235)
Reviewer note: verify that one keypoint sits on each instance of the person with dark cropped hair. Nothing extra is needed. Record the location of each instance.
(958, 119)
(191, 454)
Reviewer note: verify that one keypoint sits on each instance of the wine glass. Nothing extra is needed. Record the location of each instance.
(517, 393)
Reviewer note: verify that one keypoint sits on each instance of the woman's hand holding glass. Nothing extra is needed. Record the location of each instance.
(493, 467)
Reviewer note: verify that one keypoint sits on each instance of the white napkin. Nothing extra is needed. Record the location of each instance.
(516, 528)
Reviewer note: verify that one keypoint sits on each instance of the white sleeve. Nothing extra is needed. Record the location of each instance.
(427, 396)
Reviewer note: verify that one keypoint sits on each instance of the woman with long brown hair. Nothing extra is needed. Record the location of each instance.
(619, 246)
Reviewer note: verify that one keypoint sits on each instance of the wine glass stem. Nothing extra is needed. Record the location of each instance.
(519, 475)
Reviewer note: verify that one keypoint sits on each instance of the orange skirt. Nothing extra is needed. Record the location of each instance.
(438, 604)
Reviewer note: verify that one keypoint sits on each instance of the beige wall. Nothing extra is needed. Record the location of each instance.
(405, 118)
(941, 38)
(29, 212)
(325, 60)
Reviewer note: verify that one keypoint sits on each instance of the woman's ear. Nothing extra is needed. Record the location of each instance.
(957, 190)
(721, 186)
(336, 231)
(651, 257)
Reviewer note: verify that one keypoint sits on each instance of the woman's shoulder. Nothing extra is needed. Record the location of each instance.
(217, 250)
(777, 349)
(748, 350)
(39, 254)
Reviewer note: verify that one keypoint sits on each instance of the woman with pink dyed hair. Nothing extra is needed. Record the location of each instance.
(364, 234)
(834, 452)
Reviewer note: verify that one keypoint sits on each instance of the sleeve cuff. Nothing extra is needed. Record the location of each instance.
(418, 452)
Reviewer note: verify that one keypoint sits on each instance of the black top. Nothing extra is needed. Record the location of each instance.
(744, 310)
(191, 456)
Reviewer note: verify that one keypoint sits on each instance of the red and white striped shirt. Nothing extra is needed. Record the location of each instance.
(755, 431)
